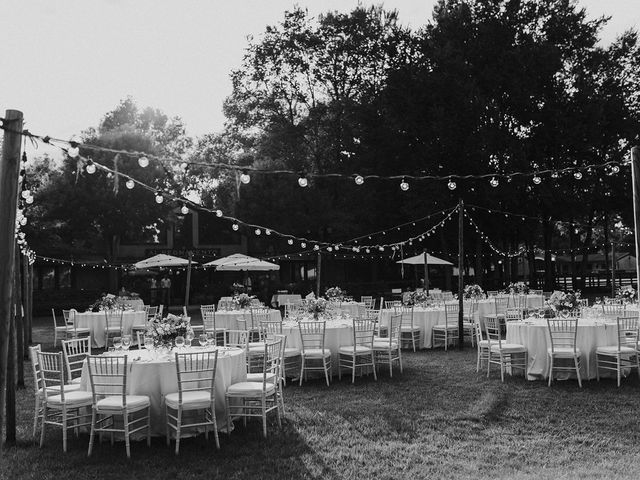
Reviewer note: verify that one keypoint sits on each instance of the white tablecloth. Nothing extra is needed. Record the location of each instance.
(157, 377)
(533, 333)
(229, 318)
(488, 306)
(132, 303)
(96, 322)
(351, 309)
(338, 333)
(423, 318)
(281, 299)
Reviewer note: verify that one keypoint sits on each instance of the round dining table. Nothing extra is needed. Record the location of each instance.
(229, 318)
(96, 321)
(533, 333)
(425, 318)
(154, 374)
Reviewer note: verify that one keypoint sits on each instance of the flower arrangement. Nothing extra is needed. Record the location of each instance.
(316, 306)
(106, 302)
(334, 293)
(564, 302)
(237, 288)
(165, 330)
(416, 298)
(243, 300)
(517, 288)
(627, 294)
(473, 291)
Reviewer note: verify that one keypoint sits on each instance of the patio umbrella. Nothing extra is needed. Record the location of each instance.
(163, 260)
(426, 260)
(239, 263)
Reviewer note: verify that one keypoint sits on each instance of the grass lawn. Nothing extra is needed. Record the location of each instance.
(439, 419)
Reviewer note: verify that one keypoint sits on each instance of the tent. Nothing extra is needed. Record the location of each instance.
(426, 260)
(162, 261)
(242, 263)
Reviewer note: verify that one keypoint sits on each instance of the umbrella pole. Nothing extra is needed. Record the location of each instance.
(635, 164)
(426, 272)
(460, 274)
(318, 275)
(188, 287)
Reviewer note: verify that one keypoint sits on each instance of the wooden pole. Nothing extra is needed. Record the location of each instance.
(188, 286)
(426, 271)
(9, 171)
(460, 274)
(26, 301)
(613, 262)
(319, 269)
(635, 178)
(19, 316)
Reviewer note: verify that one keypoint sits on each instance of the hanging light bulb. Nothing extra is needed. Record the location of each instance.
(23, 221)
(267, 232)
(91, 167)
(159, 197)
(329, 249)
(235, 227)
(29, 199)
(143, 162)
(184, 210)
(494, 182)
(218, 213)
(302, 181)
(244, 177)
(615, 169)
(316, 247)
(130, 184)
(290, 241)
(555, 175)
(73, 150)
(404, 186)
(578, 175)
(26, 193)
(368, 251)
(537, 180)
(359, 179)
(381, 248)
(303, 244)
(452, 185)
(258, 231)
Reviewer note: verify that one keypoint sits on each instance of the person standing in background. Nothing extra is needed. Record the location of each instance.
(153, 291)
(165, 285)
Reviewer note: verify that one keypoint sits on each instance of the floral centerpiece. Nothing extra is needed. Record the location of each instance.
(473, 291)
(165, 330)
(237, 288)
(416, 298)
(243, 300)
(315, 306)
(564, 303)
(106, 302)
(627, 294)
(517, 288)
(334, 293)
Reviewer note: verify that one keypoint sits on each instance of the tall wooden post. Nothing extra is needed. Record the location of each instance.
(613, 263)
(27, 300)
(9, 171)
(460, 274)
(318, 270)
(188, 286)
(18, 296)
(426, 271)
(635, 178)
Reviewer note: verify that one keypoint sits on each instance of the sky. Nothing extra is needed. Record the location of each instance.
(68, 62)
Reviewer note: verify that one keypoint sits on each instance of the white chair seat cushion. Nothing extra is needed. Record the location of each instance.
(316, 352)
(381, 339)
(291, 352)
(250, 389)
(62, 329)
(114, 403)
(563, 351)
(190, 400)
(451, 328)
(69, 387)
(613, 350)
(76, 381)
(360, 350)
(74, 397)
(81, 330)
(384, 345)
(508, 348)
(257, 377)
(483, 343)
(112, 329)
(409, 328)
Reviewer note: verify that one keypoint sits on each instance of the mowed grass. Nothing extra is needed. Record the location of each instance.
(439, 419)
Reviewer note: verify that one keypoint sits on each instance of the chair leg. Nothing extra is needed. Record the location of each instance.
(229, 423)
(36, 413)
(597, 367)
(178, 428)
(148, 426)
(550, 369)
(353, 369)
(373, 363)
(44, 422)
(326, 372)
(264, 416)
(619, 370)
(502, 365)
(301, 368)
(127, 444)
(577, 363)
(215, 425)
(92, 435)
(167, 430)
(64, 429)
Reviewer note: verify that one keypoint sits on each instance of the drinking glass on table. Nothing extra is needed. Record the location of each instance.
(126, 342)
(179, 341)
(148, 342)
(189, 337)
(203, 340)
(117, 343)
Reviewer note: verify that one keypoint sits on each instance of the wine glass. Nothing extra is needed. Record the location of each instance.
(126, 342)
(203, 340)
(189, 338)
(179, 341)
(148, 342)
(117, 343)
(211, 339)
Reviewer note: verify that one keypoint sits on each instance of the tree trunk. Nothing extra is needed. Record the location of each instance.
(479, 264)
(18, 296)
(574, 269)
(607, 265)
(549, 273)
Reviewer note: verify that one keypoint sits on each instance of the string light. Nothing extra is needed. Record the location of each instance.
(73, 151)
(130, 184)
(143, 162)
(159, 197)
(91, 167)
(29, 200)
(494, 182)
(218, 213)
(258, 231)
(184, 210)
(359, 179)
(404, 186)
(537, 180)
(290, 241)
(302, 181)
(452, 185)
(244, 177)
(235, 227)
(577, 175)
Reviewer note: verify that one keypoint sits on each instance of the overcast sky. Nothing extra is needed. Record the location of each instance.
(67, 62)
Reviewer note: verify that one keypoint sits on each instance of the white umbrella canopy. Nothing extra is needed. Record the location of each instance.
(419, 260)
(163, 260)
(239, 262)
